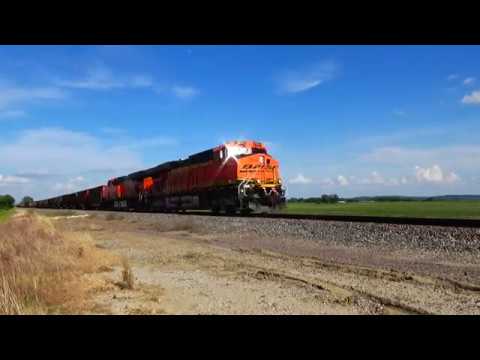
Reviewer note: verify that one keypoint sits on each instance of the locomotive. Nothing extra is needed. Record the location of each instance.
(237, 176)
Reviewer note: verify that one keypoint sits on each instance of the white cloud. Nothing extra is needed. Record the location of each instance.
(16, 95)
(57, 150)
(141, 81)
(434, 174)
(452, 77)
(48, 161)
(101, 77)
(300, 179)
(184, 92)
(469, 81)
(473, 98)
(342, 180)
(293, 82)
(12, 180)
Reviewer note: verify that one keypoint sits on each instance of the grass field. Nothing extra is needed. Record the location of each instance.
(5, 213)
(461, 209)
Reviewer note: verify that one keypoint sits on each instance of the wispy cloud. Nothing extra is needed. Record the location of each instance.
(399, 113)
(466, 157)
(452, 77)
(158, 141)
(472, 99)
(113, 131)
(70, 185)
(375, 178)
(12, 180)
(141, 81)
(16, 95)
(48, 161)
(60, 151)
(399, 137)
(100, 77)
(469, 81)
(12, 114)
(296, 81)
(184, 92)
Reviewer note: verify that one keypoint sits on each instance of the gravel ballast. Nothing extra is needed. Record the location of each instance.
(449, 239)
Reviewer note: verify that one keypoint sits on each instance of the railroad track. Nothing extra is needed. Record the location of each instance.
(467, 223)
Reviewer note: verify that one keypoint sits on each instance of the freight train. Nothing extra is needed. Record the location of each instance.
(238, 176)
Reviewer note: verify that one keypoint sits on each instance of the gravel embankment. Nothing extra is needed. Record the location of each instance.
(345, 233)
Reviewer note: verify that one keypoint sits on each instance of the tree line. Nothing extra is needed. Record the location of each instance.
(324, 199)
(334, 198)
(8, 201)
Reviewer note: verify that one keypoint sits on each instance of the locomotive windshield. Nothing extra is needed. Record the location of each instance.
(258, 151)
(240, 151)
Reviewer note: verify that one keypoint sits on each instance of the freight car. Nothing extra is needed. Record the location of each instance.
(235, 176)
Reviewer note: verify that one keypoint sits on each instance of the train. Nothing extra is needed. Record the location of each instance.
(237, 176)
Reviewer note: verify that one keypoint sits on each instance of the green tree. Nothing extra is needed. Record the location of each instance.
(7, 201)
(27, 201)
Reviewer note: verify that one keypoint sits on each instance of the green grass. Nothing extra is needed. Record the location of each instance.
(461, 209)
(5, 213)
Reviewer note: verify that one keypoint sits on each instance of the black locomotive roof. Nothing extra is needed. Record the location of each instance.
(154, 170)
(200, 157)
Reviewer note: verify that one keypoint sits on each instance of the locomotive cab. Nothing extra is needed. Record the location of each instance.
(257, 175)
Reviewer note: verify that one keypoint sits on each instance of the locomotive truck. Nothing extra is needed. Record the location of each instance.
(235, 176)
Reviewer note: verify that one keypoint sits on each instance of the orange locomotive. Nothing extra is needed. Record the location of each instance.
(235, 176)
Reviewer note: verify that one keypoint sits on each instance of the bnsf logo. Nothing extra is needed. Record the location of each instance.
(251, 166)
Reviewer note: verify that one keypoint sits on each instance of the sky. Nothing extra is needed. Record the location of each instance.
(350, 120)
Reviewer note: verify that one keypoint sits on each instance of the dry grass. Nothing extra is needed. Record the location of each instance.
(43, 270)
(178, 224)
(57, 213)
(110, 217)
(127, 275)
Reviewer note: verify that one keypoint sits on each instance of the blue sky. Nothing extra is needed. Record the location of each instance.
(352, 120)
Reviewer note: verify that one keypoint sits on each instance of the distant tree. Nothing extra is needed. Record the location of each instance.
(27, 201)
